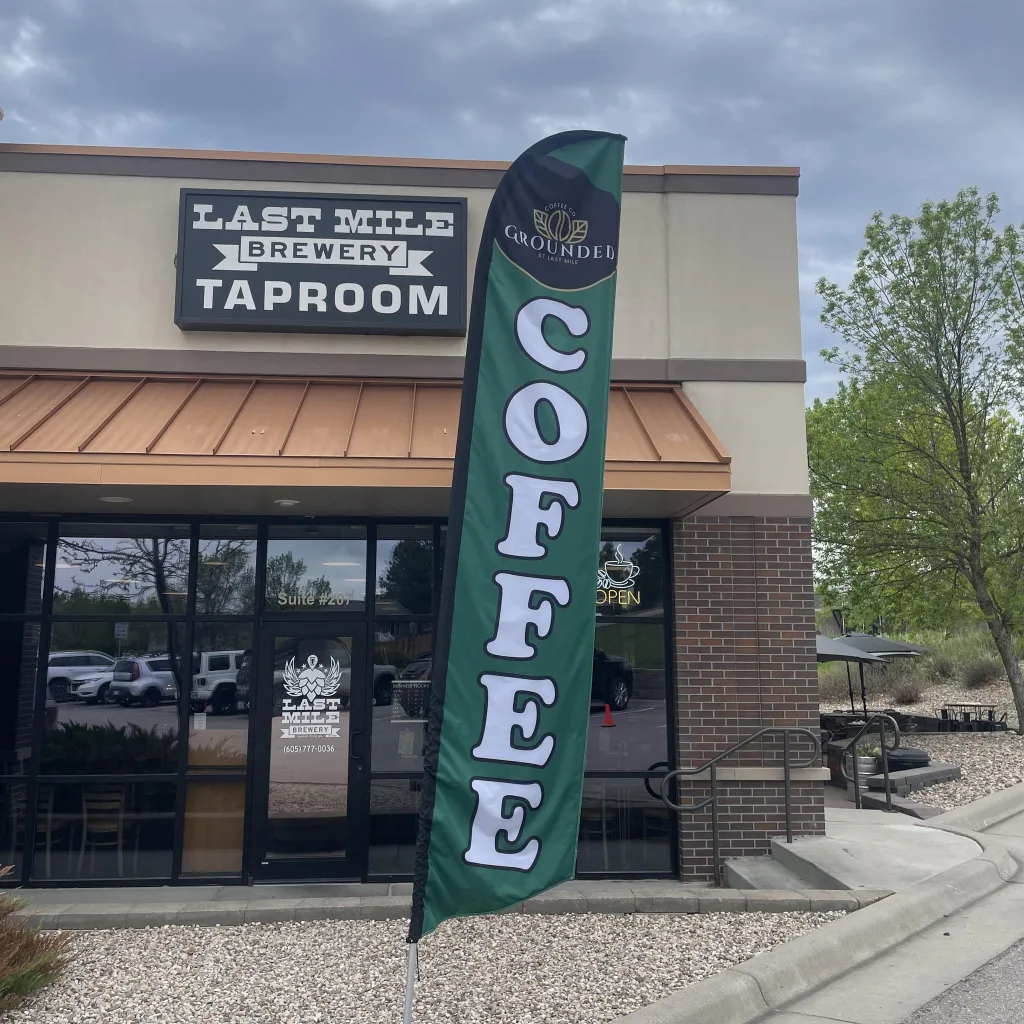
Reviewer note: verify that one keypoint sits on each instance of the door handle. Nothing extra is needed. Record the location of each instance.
(355, 748)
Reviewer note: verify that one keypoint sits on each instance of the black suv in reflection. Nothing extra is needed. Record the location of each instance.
(611, 683)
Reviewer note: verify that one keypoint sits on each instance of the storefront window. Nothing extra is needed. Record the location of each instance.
(222, 681)
(114, 830)
(316, 569)
(226, 573)
(630, 574)
(122, 678)
(121, 570)
(629, 679)
(402, 653)
(394, 813)
(405, 570)
(623, 829)
(214, 827)
(22, 561)
(115, 701)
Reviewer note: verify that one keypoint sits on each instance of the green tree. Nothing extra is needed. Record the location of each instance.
(284, 574)
(408, 577)
(917, 463)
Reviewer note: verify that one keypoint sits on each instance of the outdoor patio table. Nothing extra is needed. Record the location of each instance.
(962, 716)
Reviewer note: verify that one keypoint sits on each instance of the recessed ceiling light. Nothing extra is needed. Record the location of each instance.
(114, 499)
(286, 502)
(341, 563)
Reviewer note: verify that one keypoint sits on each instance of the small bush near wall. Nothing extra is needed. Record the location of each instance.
(907, 690)
(980, 673)
(833, 687)
(941, 668)
(28, 959)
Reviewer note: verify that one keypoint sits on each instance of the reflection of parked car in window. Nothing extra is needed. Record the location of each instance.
(611, 683)
(93, 689)
(214, 684)
(418, 668)
(63, 667)
(146, 681)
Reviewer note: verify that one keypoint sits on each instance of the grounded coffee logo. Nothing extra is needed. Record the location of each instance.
(559, 225)
(568, 244)
(615, 581)
(313, 711)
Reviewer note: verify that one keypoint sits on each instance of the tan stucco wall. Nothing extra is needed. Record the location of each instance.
(734, 289)
(762, 427)
(88, 261)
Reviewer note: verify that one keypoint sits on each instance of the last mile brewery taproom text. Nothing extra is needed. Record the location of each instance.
(321, 263)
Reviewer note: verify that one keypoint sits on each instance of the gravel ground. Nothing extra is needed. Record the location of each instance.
(935, 696)
(988, 762)
(511, 969)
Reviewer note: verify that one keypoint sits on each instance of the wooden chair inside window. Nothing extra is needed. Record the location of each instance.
(102, 825)
(48, 826)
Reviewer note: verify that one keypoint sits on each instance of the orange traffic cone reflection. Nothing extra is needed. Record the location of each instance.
(608, 723)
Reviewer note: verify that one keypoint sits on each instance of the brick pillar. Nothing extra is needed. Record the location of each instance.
(744, 658)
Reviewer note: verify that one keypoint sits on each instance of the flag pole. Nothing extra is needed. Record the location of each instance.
(410, 980)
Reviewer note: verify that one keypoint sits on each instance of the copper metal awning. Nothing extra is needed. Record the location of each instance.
(61, 431)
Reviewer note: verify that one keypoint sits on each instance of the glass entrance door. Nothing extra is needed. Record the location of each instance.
(310, 800)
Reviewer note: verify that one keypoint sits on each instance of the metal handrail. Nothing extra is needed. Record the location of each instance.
(851, 751)
(712, 767)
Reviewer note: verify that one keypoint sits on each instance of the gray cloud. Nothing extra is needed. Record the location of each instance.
(882, 104)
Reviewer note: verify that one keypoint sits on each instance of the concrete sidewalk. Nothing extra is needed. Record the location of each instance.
(144, 906)
(918, 974)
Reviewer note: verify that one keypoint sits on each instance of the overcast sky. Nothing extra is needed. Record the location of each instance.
(882, 103)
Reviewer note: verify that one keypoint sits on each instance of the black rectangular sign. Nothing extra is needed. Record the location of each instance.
(341, 264)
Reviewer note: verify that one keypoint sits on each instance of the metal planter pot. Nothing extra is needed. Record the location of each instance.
(865, 766)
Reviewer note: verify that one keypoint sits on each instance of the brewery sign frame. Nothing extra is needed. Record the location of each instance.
(328, 263)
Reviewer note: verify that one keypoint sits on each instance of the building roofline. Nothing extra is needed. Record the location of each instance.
(367, 161)
(229, 165)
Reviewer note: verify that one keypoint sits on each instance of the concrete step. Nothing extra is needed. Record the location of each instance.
(914, 779)
(761, 873)
(800, 858)
(871, 849)
(876, 802)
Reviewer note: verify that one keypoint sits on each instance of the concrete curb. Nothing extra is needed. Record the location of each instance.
(78, 916)
(983, 813)
(770, 980)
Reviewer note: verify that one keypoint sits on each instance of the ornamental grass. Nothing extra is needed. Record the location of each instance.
(29, 959)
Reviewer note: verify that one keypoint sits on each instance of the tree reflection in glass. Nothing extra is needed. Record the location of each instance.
(143, 575)
(405, 570)
(226, 576)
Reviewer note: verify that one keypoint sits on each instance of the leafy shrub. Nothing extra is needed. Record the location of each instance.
(907, 690)
(903, 679)
(941, 667)
(976, 674)
(28, 959)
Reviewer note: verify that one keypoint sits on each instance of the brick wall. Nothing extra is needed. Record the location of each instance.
(744, 658)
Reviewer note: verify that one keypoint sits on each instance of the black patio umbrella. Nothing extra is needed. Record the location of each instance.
(882, 645)
(829, 649)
